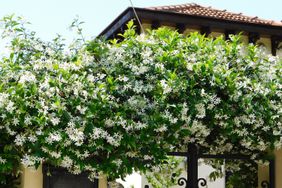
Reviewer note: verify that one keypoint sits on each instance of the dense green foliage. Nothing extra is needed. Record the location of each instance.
(167, 174)
(9, 162)
(112, 108)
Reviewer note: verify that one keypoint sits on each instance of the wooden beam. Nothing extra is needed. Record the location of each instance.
(180, 27)
(155, 24)
(229, 32)
(253, 37)
(205, 30)
(163, 16)
(120, 21)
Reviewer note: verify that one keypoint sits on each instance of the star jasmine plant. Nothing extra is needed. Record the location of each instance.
(101, 106)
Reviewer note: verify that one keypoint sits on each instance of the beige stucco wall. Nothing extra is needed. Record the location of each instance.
(170, 26)
(263, 173)
(278, 168)
(265, 42)
(31, 178)
(146, 26)
(245, 39)
(216, 34)
(279, 51)
(189, 30)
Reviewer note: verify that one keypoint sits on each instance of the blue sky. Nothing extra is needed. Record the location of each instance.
(49, 17)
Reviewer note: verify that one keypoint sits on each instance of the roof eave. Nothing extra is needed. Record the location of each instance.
(122, 19)
(180, 18)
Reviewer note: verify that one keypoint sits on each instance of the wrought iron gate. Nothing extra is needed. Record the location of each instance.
(192, 156)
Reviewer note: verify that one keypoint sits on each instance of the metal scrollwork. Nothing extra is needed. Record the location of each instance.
(264, 184)
(202, 182)
(182, 181)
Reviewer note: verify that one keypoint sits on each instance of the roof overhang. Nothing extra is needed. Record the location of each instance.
(184, 19)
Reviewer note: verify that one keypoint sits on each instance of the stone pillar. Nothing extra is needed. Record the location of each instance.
(103, 182)
(31, 178)
(278, 168)
(263, 174)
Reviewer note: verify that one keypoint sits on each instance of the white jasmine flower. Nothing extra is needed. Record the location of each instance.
(276, 132)
(67, 162)
(27, 161)
(76, 170)
(3, 98)
(32, 138)
(163, 128)
(109, 123)
(118, 162)
(97, 133)
(27, 120)
(91, 78)
(15, 121)
(10, 107)
(148, 157)
(27, 77)
(53, 137)
(55, 154)
(184, 112)
(19, 140)
(159, 66)
(3, 116)
(201, 110)
(2, 161)
(55, 120)
(165, 86)
(81, 109)
(76, 135)
(131, 154)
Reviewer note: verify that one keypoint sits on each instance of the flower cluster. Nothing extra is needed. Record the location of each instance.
(101, 107)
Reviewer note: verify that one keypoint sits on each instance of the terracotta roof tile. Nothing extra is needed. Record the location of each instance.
(195, 9)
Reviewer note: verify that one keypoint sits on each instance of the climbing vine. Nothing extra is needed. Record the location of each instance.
(111, 107)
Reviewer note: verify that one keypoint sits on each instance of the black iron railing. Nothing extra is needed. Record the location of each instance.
(192, 157)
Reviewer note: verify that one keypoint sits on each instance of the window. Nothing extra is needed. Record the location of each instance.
(61, 178)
